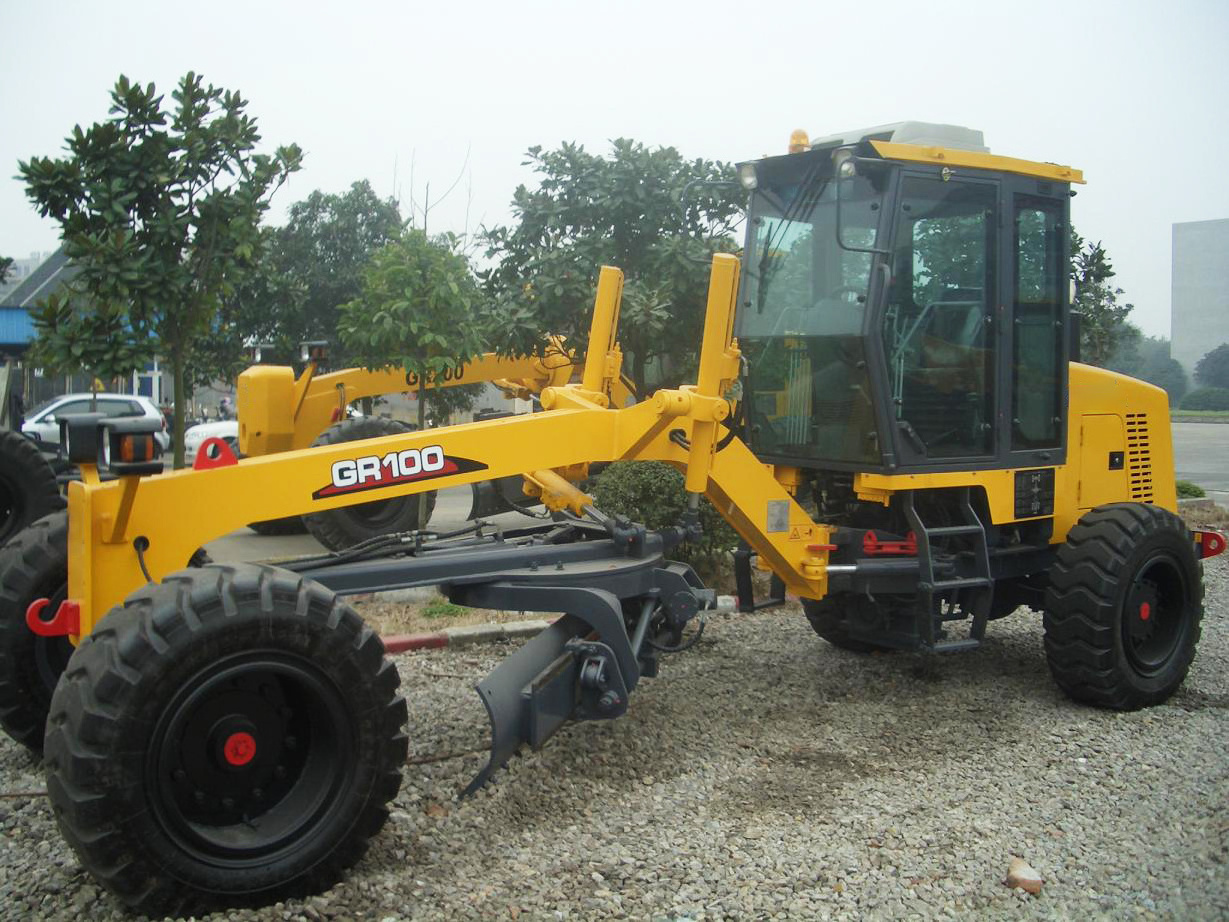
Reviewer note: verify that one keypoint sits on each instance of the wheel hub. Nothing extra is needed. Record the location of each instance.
(248, 755)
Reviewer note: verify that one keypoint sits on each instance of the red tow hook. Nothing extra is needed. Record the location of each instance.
(214, 452)
(1209, 543)
(67, 619)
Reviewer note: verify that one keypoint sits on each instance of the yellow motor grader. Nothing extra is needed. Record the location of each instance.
(886, 411)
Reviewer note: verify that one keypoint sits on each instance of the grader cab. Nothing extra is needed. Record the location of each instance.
(897, 433)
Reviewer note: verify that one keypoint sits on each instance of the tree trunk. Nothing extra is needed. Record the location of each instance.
(177, 373)
(422, 424)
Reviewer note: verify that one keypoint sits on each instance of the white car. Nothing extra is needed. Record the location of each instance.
(43, 420)
(225, 429)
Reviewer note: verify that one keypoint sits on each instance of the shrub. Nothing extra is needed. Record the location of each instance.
(651, 493)
(1207, 398)
(1188, 490)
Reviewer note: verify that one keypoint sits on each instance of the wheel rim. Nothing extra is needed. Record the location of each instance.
(250, 758)
(1154, 615)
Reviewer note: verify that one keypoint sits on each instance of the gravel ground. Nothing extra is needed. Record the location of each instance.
(766, 775)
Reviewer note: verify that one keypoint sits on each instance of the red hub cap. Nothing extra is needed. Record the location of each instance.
(1145, 611)
(239, 748)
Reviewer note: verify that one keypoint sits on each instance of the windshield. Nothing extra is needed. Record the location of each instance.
(803, 307)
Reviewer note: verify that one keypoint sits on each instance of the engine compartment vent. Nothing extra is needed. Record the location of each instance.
(1139, 457)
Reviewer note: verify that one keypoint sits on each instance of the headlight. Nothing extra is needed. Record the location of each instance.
(746, 176)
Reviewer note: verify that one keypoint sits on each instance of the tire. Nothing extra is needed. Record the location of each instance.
(1123, 611)
(28, 487)
(338, 529)
(291, 525)
(232, 736)
(34, 565)
(829, 618)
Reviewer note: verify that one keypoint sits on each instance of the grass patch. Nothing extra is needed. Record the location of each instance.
(1179, 415)
(1189, 490)
(442, 609)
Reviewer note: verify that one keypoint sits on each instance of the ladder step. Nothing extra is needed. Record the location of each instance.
(968, 583)
(953, 530)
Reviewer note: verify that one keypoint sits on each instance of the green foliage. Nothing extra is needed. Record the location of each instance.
(1147, 358)
(1103, 324)
(420, 309)
(1188, 490)
(651, 493)
(6, 265)
(441, 608)
(159, 211)
(314, 264)
(624, 210)
(1207, 398)
(1213, 369)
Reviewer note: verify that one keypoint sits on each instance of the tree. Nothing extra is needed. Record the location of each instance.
(314, 264)
(159, 211)
(1213, 369)
(6, 264)
(1148, 358)
(420, 309)
(1103, 319)
(625, 210)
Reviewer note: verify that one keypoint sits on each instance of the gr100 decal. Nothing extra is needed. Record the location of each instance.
(372, 472)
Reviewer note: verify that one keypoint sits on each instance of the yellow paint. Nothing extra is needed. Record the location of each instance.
(1100, 434)
(180, 511)
(891, 150)
(278, 412)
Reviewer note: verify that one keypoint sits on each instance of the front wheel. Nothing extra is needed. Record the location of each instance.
(251, 734)
(1123, 610)
(830, 617)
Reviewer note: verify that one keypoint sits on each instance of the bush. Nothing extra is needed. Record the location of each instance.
(1207, 398)
(651, 493)
(1188, 490)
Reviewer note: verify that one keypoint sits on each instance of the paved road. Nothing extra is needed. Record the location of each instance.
(1201, 455)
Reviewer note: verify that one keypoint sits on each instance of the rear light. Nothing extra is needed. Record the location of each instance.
(1208, 543)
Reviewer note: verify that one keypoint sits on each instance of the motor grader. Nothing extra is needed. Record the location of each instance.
(886, 411)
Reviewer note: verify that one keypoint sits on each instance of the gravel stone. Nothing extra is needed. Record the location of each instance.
(767, 775)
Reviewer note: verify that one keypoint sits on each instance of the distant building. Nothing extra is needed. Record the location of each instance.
(1200, 296)
(21, 270)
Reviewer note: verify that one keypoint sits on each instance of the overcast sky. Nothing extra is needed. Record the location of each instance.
(1133, 93)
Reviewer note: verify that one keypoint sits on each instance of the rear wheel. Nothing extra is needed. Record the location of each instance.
(28, 487)
(34, 565)
(1123, 611)
(251, 731)
(829, 618)
(338, 529)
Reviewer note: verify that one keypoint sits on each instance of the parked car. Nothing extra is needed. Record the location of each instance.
(43, 421)
(225, 429)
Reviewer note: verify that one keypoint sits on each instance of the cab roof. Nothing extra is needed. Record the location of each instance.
(950, 145)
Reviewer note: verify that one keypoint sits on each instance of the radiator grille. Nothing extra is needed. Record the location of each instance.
(1139, 457)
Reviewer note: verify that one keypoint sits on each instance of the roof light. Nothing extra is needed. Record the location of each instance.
(798, 141)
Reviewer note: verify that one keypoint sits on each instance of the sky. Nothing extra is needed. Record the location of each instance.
(414, 96)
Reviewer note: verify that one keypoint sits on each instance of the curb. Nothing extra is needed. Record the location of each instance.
(463, 636)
